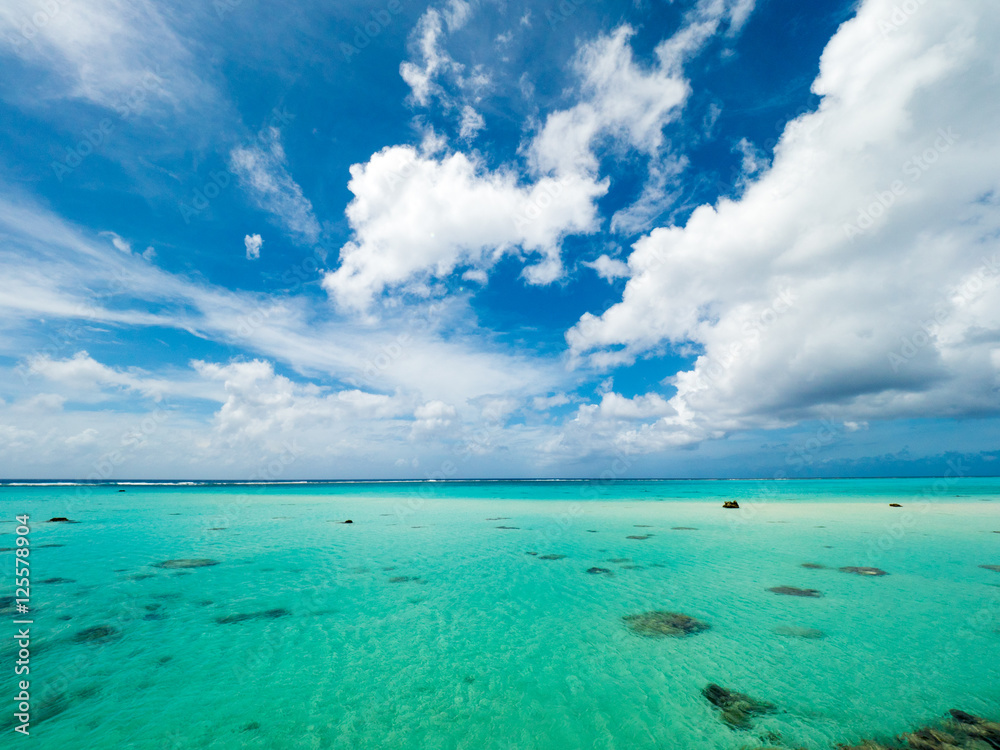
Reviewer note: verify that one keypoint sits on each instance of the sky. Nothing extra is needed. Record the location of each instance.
(492, 238)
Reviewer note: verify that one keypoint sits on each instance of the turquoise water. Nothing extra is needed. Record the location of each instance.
(483, 645)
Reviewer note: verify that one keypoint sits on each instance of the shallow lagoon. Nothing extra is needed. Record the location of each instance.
(427, 623)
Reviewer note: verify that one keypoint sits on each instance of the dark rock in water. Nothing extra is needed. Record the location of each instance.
(194, 562)
(643, 536)
(930, 739)
(58, 580)
(792, 591)
(730, 504)
(121, 490)
(813, 566)
(600, 571)
(641, 526)
(991, 567)
(531, 553)
(796, 632)
(267, 614)
(660, 623)
(97, 634)
(348, 521)
(405, 579)
(962, 730)
(864, 571)
(499, 518)
(737, 709)
(508, 527)
(139, 576)
(60, 519)
(684, 528)
(594, 531)
(551, 557)
(895, 505)
(253, 726)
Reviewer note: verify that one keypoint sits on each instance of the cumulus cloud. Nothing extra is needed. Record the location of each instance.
(609, 268)
(262, 404)
(417, 217)
(253, 243)
(618, 98)
(82, 373)
(856, 276)
(433, 415)
(262, 169)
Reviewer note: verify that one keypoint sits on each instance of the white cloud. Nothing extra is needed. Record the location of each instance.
(416, 218)
(472, 123)
(614, 406)
(121, 55)
(118, 242)
(619, 98)
(434, 415)
(87, 379)
(253, 244)
(433, 60)
(262, 404)
(456, 14)
(262, 169)
(544, 403)
(609, 268)
(855, 278)
(81, 439)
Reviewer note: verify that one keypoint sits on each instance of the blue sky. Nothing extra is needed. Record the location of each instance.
(499, 239)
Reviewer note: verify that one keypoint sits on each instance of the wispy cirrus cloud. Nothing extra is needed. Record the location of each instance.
(262, 169)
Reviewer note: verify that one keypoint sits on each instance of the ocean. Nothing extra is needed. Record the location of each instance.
(501, 614)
